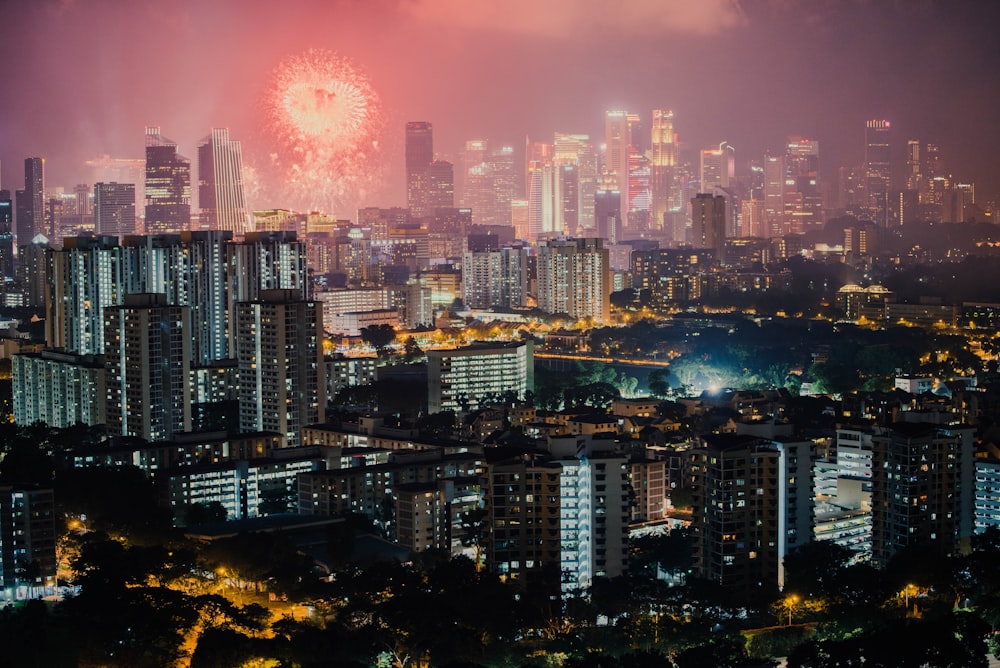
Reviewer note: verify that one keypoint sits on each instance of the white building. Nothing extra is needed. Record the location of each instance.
(464, 377)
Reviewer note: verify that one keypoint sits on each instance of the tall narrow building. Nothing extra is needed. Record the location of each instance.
(31, 206)
(662, 166)
(877, 171)
(147, 357)
(114, 209)
(419, 156)
(708, 223)
(6, 236)
(168, 185)
(221, 195)
(282, 381)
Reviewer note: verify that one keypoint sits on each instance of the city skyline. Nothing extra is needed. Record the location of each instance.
(747, 73)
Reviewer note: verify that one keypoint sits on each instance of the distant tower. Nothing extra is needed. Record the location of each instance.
(708, 223)
(878, 171)
(440, 186)
(662, 163)
(718, 167)
(607, 213)
(168, 185)
(6, 235)
(419, 156)
(147, 353)
(114, 209)
(617, 142)
(220, 184)
(31, 211)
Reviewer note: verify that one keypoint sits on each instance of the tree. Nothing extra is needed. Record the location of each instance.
(411, 349)
(658, 384)
(204, 513)
(379, 337)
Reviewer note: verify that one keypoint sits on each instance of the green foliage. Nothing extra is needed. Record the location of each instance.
(379, 337)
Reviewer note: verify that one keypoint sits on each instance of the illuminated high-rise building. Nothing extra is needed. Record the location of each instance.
(6, 236)
(168, 185)
(282, 378)
(147, 355)
(419, 156)
(495, 279)
(803, 203)
(574, 278)
(31, 205)
(617, 142)
(84, 278)
(440, 186)
(774, 195)
(718, 167)
(221, 195)
(577, 152)
(878, 171)
(114, 209)
(662, 163)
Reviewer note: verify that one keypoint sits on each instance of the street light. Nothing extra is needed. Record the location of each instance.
(790, 602)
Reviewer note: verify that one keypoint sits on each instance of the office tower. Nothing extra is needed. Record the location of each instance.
(504, 179)
(27, 537)
(718, 167)
(114, 209)
(279, 345)
(877, 171)
(578, 160)
(168, 185)
(419, 156)
(520, 218)
(923, 479)
(662, 165)
(708, 223)
(495, 279)
(31, 206)
(476, 180)
(914, 167)
(85, 277)
(774, 195)
(736, 497)
(59, 389)
(6, 236)
(802, 201)
(617, 141)
(221, 195)
(440, 187)
(469, 377)
(32, 273)
(84, 199)
(607, 213)
(574, 278)
(147, 355)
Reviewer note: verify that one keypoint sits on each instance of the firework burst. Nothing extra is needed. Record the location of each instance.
(324, 122)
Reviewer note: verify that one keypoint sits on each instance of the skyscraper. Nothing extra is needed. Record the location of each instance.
(662, 163)
(495, 279)
(878, 171)
(607, 212)
(168, 185)
(6, 235)
(419, 156)
(114, 209)
(147, 355)
(220, 184)
(282, 382)
(718, 167)
(31, 213)
(617, 141)
(440, 186)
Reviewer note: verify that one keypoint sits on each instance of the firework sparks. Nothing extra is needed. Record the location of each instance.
(325, 121)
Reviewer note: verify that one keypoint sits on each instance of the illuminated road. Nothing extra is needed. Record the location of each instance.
(606, 360)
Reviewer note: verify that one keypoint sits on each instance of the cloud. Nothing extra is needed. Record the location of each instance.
(573, 18)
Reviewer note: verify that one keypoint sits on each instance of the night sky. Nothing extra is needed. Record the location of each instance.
(83, 77)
